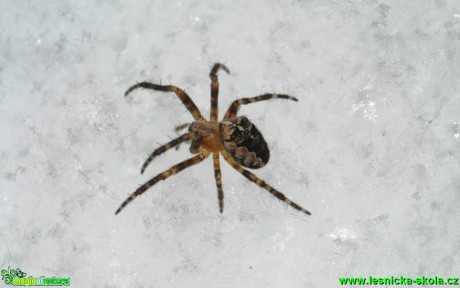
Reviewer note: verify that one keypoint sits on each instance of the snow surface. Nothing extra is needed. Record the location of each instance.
(372, 148)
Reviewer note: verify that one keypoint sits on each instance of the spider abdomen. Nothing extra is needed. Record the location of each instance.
(243, 142)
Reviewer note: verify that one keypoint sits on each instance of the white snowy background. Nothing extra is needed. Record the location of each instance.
(372, 148)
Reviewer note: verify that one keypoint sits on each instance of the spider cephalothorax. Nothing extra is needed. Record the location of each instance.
(235, 137)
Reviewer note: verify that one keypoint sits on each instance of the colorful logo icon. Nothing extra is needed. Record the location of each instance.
(16, 277)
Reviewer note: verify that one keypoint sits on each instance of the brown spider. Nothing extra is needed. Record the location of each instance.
(236, 138)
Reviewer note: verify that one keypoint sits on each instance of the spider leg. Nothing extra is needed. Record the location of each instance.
(218, 176)
(166, 147)
(215, 89)
(233, 109)
(186, 100)
(196, 143)
(182, 127)
(162, 176)
(261, 183)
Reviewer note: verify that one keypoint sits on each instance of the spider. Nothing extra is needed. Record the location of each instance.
(235, 137)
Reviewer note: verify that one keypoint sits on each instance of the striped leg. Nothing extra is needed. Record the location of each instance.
(162, 176)
(182, 127)
(233, 109)
(253, 178)
(188, 102)
(218, 176)
(165, 148)
(215, 89)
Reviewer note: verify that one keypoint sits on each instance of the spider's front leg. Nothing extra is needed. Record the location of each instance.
(166, 147)
(233, 109)
(261, 183)
(186, 100)
(162, 176)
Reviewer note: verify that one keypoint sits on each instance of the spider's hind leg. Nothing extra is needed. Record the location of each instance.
(218, 177)
(233, 109)
(261, 183)
(215, 89)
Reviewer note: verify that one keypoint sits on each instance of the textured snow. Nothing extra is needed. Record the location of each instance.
(371, 149)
